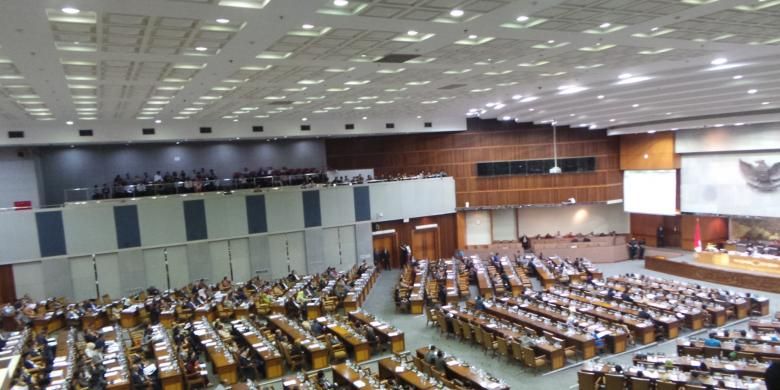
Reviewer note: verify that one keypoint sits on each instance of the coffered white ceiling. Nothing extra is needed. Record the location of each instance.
(118, 64)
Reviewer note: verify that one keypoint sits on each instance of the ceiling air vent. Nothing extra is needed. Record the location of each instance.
(397, 58)
(389, 125)
(85, 133)
(305, 127)
(16, 134)
(281, 103)
(205, 130)
(149, 131)
(257, 129)
(349, 126)
(428, 124)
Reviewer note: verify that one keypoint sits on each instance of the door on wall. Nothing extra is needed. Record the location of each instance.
(388, 241)
(7, 287)
(425, 243)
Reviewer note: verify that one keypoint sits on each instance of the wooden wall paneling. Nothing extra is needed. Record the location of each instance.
(460, 228)
(7, 286)
(713, 230)
(644, 226)
(489, 140)
(390, 242)
(447, 236)
(658, 147)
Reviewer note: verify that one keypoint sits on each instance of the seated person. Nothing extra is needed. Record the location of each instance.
(711, 341)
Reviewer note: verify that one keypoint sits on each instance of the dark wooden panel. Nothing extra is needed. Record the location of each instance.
(7, 286)
(713, 230)
(645, 226)
(448, 234)
(490, 140)
(716, 275)
(648, 151)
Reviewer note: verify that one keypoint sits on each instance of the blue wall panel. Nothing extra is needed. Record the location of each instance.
(312, 216)
(256, 219)
(128, 234)
(195, 220)
(51, 233)
(362, 204)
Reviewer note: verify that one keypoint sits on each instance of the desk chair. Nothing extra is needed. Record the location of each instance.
(711, 352)
(587, 380)
(531, 360)
(477, 333)
(517, 351)
(502, 348)
(640, 384)
(663, 385)
(570, 352)
(431, 317)
(465, 330)
(488, 342)
(614, 382)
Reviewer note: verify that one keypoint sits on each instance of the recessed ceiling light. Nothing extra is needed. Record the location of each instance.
(719, 61)
(236, 120)
(718, 125)
(472, 36)
(411, 33)
(157, 121)
(752, 91)
(69, 123)
(739, 124)
(506, 117)
(531, 109)
(365, 117)
(71, 10)
(201, 48)
(600, 97)
(668, 113)
(517, 97)
(551, 41)
(737, 77)
(624, 76)
(654, 29)
(605, 25)
(307, 26)
(419, 117)
(765, 103)
(635, 105)
(456, 13)
(522, 18)
(649, 132)
(304, 119)
(223, 21)
(340, 3)
(612, 120)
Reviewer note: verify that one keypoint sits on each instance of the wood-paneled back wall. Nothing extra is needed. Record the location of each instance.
(491, 140)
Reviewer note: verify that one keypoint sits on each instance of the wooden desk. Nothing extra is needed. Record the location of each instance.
(349, 378)
(316, 353)
(385, 332)
(466, 374)
(583, 343)
(270, 355)
(168, 368)
(390, 369)
(313, 309)
(357, 347)
(223, 363)
(130, 317)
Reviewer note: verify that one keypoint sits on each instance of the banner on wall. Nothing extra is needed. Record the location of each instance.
(742, 184)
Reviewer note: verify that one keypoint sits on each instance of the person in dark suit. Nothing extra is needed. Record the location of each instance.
(659, 236)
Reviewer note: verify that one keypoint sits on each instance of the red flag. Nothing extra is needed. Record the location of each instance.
(697, 237)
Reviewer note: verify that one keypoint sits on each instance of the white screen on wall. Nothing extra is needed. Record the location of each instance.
(731, 184)
(650, 192)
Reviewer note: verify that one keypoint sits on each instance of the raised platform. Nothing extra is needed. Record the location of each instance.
(710, 273)
(735, 260)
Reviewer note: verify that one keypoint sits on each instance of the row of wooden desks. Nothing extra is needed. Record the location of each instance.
(350, 377)
(356, 344)
(11, 356)
(115, 360)
(63, 368)
(263, 347)
(760, 351)
(222, 360)
(555, 354)
(363, 285)
(316, 352)
(584, 343)
(166, 360)
(679, 378)
(688, 363)
(643, 330)
(390, 368)
(484, 284)
(467, 374)
(617, 338)
(385, 332)
(417, 296)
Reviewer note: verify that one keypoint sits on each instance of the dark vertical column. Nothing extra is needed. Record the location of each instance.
(195, 220)
(128, 233)
(51, 233)
(312, 215)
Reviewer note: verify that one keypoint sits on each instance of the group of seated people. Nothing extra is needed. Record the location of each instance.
(173, 182)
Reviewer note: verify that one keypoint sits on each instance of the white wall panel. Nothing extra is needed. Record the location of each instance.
(18, 236)
(259, 256)
(20, 179)
(728, 139)
(226, 216)
(599, 218)
(108, 275)
(239, 257)
(198, 261)
(284, 210)
(154, 268)
(28, 279)
(348, 247)
(504, 225)
(277, 253)
(89, 229)
(337, 205)
(715, 184)
(315, 261)
(297, 250)
(82, 271)
(330, 247)
(56, 277)
(132, 275)
(178, 268)
(478, 228)
(364, 242)
(220, 261)
(161, 221)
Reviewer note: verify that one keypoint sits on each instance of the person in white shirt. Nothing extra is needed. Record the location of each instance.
(157, 177)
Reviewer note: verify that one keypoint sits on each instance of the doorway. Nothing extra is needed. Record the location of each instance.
(389, 241)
